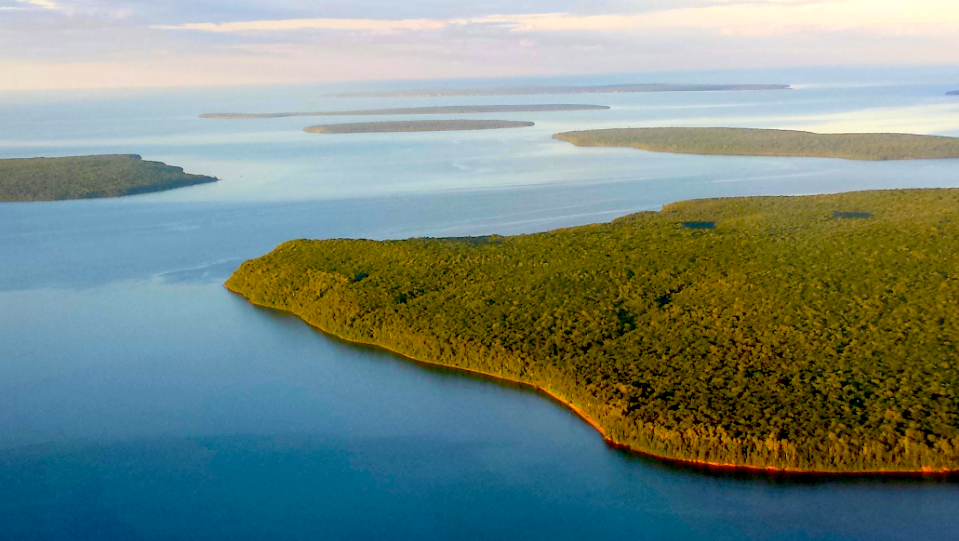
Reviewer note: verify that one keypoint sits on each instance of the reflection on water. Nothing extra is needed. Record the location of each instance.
(141, 400)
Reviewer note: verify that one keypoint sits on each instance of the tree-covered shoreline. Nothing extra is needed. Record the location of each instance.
(788, 337)
(89, 177)
(766, 142)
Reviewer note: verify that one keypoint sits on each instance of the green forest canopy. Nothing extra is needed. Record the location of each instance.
(810, 333)
(760, 142)
(85, 177)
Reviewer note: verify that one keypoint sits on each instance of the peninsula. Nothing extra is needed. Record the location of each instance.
(86, 177)
(416, 126)
(439, 110)
(805, 334)
(533, 90)
(759, 142)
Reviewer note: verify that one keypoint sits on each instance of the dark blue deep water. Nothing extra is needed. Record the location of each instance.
(139, 400)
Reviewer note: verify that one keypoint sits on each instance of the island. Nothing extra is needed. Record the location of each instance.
(790, 334)
(762, 142)
(87, 177)
(953, 93)
(438, 110)
(534, 90)
(416, 126)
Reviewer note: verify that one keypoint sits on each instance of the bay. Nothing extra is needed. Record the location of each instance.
(141, 400)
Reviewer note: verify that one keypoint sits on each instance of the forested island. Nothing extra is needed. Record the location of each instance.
(87, 177)
(416, 126)
(438, 110)
(533, 90)
(807, 334)
(763, 142)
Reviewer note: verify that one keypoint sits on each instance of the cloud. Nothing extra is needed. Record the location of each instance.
(730, 17)
(45, 4)
(369, 25)
(31, 4)
(87, 43)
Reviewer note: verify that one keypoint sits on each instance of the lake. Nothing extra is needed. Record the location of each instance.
(140, 400)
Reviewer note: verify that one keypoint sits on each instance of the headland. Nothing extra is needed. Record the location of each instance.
(786, 337)
(88, 177)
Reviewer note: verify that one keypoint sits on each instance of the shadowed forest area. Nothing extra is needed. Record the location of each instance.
(86, 177)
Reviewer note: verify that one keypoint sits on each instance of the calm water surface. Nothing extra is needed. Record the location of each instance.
(141, 400)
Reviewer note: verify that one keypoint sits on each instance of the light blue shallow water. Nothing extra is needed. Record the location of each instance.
(140, 400)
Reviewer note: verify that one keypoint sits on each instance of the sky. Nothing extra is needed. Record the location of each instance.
(74, 44)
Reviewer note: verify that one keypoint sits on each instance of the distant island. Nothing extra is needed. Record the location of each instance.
(802, 334)
(439, 110)
(756, 142)
(416, 126)
(953, 93)
(533, 90)
(87, 177)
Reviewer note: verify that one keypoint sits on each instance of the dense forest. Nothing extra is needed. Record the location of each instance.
(758, 142)
(85, 177)
(813, 333)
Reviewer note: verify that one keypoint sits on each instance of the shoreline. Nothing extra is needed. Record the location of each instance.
(705, 466)
(771, 143)
(93, 176)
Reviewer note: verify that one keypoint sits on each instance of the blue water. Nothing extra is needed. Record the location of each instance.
(141, 400)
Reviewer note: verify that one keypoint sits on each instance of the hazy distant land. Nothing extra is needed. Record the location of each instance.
(762, 142)
(531, 90)
(953, 93)
(440, 110)
(86, 177)
(416, 126)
